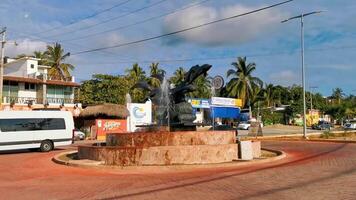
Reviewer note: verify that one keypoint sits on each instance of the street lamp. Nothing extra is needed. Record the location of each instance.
(311, 96)
(301, 17)
(3, 33)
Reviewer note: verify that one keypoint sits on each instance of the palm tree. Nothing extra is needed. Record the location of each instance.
(242, 81)
(338, 94)
(40, 55)
(269, 95)
(178, 76)
(55, 57)
(203, 87)
(155, 70)
(257, 95)
(134, 75)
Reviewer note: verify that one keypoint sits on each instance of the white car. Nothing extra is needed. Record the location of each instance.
(350, 125)
(78, 135)
(245, 125)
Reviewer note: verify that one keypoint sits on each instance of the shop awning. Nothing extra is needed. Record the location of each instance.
(225, 112)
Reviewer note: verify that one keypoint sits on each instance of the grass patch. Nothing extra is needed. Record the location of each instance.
(327, 135)
(268, 154)
(68, 157)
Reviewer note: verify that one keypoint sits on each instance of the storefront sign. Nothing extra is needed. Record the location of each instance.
(105, 126)
(140, 114)
(230, 102)
(199, 103)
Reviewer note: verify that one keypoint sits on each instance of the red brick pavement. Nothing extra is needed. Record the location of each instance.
(311, 170)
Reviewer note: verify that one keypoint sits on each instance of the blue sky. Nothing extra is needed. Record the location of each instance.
(275, 48)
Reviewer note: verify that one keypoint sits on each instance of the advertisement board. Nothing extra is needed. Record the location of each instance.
(199, 103)
(105, 126)
(229, 102)
(140, 114)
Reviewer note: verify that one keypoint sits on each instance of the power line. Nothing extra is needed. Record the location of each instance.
(183, 30)
(48, 40)
(110, 19)
(137, 23)
(276, 53)
(87, 17)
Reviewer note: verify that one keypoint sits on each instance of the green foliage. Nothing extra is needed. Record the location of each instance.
(155, 70)
(242, 82)
(178, 76)
(269, 118)
(203, 87)
(327, 135)
(134, 75)
(104, 89)
(54, 57)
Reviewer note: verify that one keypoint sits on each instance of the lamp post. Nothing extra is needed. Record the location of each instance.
(311, 96)
(301, 17)
(3, 33)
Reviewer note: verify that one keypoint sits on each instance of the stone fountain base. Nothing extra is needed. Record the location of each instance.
(164, 148)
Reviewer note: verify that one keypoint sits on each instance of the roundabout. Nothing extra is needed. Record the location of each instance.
(310, 170)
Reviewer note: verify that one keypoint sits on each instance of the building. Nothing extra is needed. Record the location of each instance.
(27, 85)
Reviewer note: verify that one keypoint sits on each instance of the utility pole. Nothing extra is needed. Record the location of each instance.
(3, 32)
(301, 17)
(311, 96)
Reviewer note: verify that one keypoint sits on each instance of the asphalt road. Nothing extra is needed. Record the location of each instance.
(311, 170)
(269, 131)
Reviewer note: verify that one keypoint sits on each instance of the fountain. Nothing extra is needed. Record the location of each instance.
(173, 110)
(181, 144)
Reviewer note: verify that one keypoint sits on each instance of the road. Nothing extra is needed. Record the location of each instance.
(311, 170)
(284, 130)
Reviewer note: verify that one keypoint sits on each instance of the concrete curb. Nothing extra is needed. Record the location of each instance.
(168, 168)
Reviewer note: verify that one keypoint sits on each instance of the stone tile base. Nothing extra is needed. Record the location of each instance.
(160, 155)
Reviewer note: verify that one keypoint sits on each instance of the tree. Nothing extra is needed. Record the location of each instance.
(55, 57)
(242, 81)
(40, 55)
(202, 87)
(104, 89)
(178, 76)
(155, 70)
(133, 76)
(269, 95)
(338, 94)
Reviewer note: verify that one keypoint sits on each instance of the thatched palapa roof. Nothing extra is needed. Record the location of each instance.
(105, 110)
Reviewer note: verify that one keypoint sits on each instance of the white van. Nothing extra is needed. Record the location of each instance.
(35, 129)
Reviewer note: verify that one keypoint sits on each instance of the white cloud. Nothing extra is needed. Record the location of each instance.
(285, 78)
(231, 31)
(25, 46)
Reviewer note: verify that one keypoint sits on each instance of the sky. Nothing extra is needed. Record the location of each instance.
(275, 47)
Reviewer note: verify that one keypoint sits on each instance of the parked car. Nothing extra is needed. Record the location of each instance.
(322, 125)
(245, 125)
(78, 135)
(350, 125)
(222, 127)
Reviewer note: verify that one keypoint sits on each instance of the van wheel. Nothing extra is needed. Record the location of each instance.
(46, 146)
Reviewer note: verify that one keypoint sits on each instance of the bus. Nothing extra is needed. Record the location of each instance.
(42, 130)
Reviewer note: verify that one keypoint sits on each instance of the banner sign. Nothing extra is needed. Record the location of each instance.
(105, 126)
(140, 114)
(229, 102)
(199, 103)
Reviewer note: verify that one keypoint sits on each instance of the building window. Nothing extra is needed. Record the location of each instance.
(32, 66)
(30, 86)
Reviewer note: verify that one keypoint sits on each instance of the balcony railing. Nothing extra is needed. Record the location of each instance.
(43, 76)
(31, 100)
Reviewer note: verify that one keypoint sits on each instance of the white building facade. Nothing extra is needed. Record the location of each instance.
(26, 83)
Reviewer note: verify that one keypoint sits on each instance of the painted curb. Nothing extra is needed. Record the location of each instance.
(170, 168)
